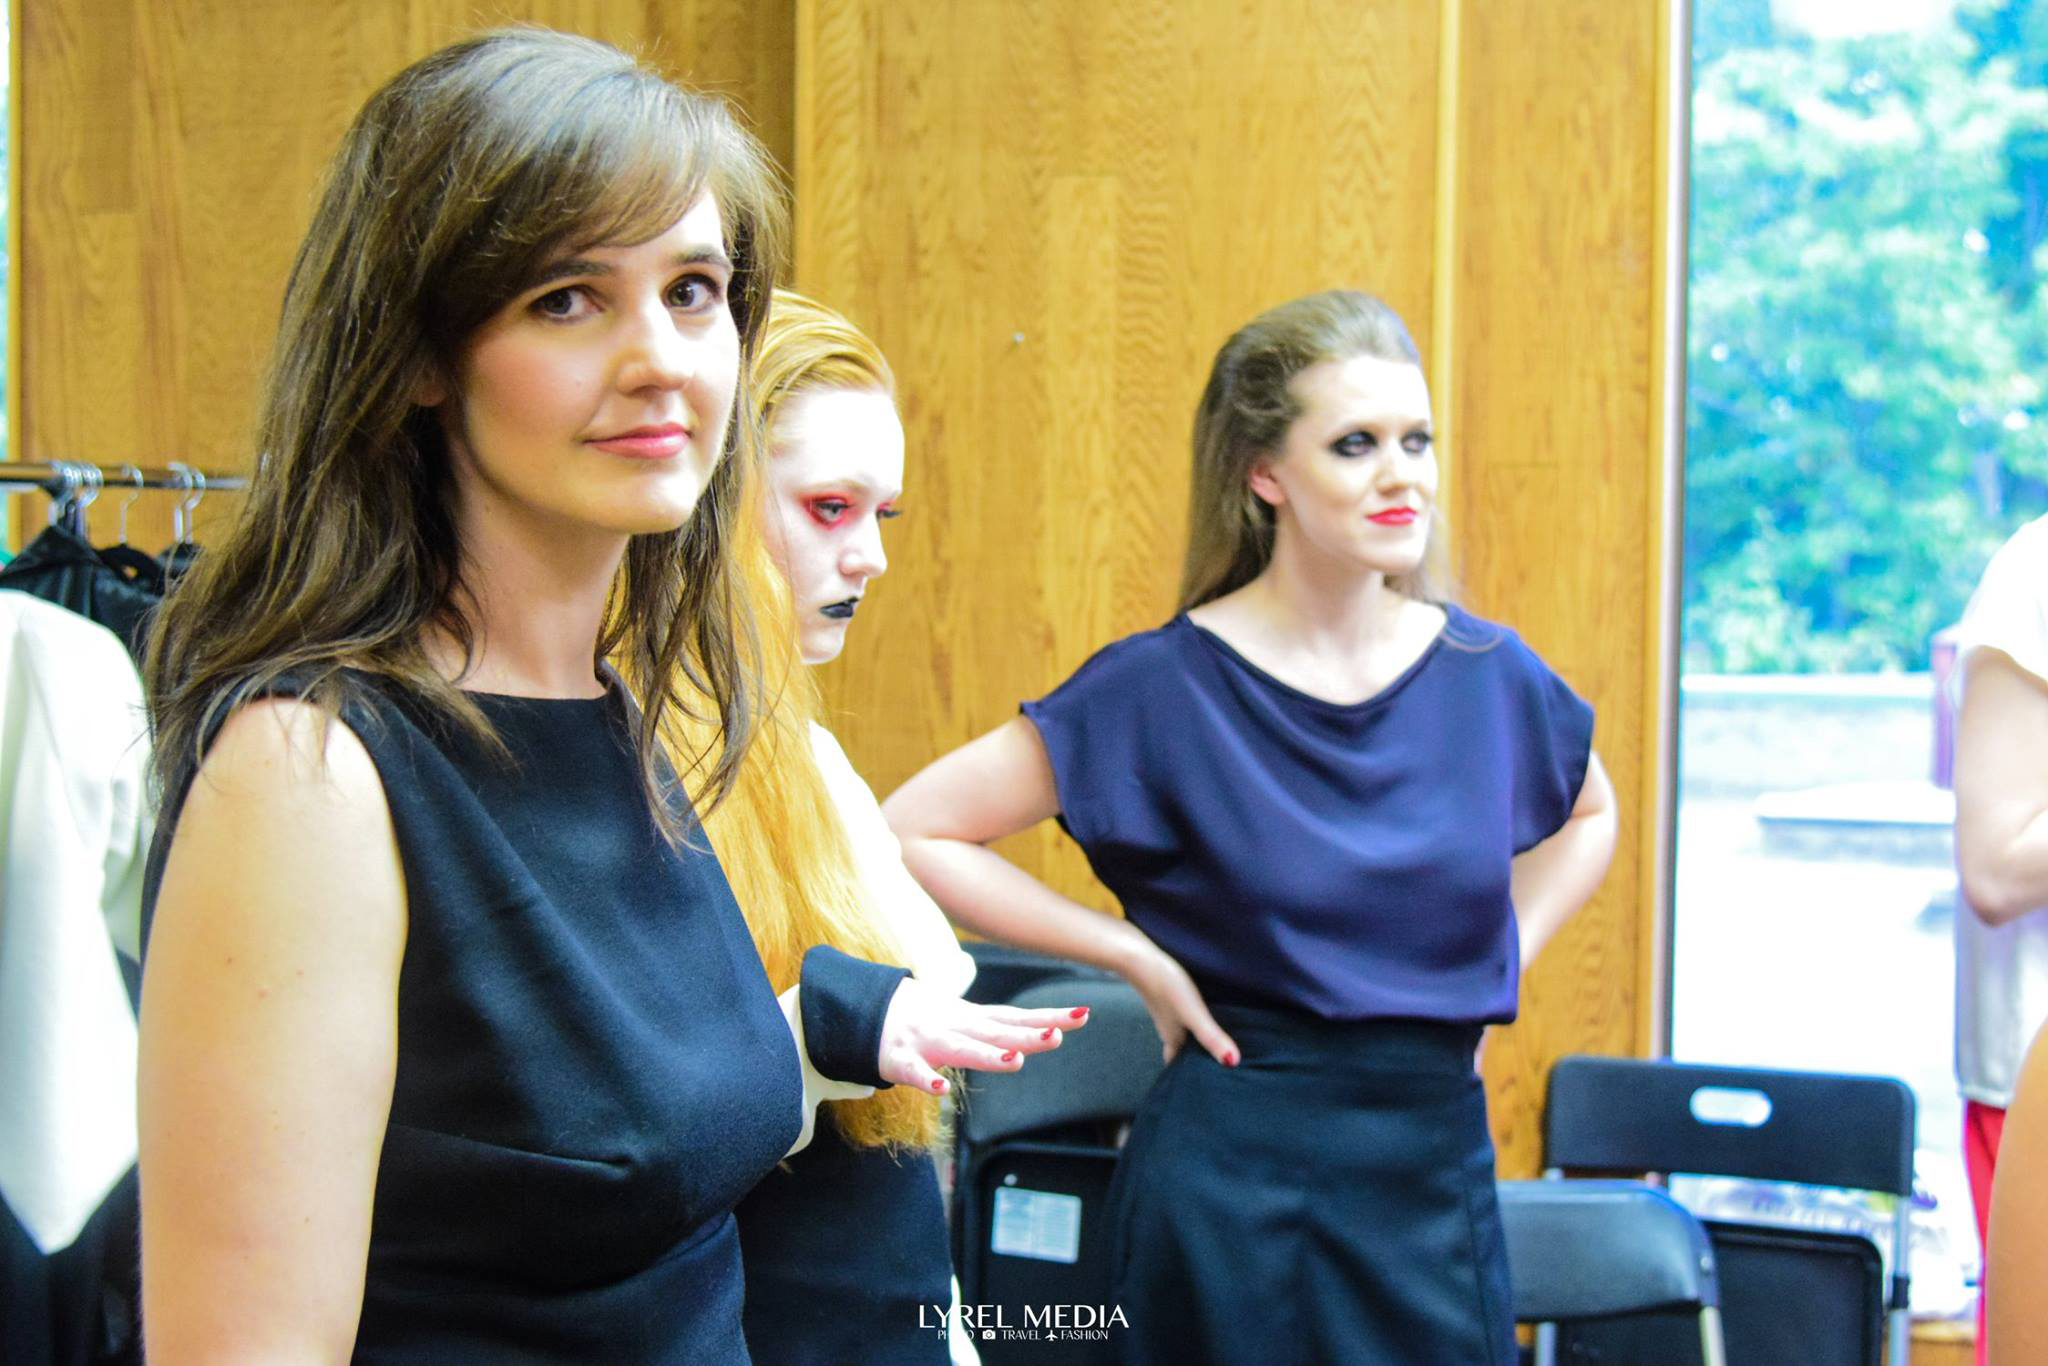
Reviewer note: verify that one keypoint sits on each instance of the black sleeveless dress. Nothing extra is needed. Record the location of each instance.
(592, 1068)
(847, 1258)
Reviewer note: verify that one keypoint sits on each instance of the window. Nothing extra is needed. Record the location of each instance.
(1867, 348)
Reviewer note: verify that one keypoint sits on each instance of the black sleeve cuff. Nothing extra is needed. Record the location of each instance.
(844, 1001)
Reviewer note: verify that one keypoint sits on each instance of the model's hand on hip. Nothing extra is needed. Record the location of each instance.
(1177, 1006)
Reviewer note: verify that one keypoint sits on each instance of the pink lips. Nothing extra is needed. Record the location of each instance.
(662, 441)
(1394, 517)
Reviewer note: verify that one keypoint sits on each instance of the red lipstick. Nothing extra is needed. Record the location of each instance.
(1394, 517)
(659, 441)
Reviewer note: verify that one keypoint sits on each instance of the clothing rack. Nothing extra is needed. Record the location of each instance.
(65, 479)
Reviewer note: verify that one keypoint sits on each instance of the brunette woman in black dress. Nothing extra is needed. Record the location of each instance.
(454, 1045)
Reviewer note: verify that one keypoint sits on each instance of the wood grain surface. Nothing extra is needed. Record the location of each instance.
(1051, 214)
(169, 154)
(1560, 214)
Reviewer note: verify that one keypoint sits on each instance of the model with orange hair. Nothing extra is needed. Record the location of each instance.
(845, 1246)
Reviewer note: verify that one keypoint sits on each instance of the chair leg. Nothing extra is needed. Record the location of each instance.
(1711, 1351)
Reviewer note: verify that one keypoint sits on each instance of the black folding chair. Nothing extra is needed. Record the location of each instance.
(1583, 1251)
(1787, 1295)
(1035, 1153)
(1002, 973)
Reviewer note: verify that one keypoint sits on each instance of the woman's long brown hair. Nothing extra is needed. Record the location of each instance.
(457, 183)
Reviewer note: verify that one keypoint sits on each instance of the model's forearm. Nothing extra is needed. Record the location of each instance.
(1553, 880)
(986, 893)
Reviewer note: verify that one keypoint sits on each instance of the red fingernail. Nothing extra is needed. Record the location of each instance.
(1230, 1058)
(1010, 1056)
(938, 1083)
(1081, 1012)
(1046, 1035)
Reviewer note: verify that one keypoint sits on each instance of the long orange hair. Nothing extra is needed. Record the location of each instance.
(778, 833)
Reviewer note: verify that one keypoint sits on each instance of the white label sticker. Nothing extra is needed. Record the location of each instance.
(1040, 1224)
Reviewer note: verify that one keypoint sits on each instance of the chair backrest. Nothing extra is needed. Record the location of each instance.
(1036, 1156)
(1627, 1116)
(1594, 1249)
(1100, 1072)
(1003, 972)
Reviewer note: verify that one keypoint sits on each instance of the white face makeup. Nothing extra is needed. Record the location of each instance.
(835, 470)
(596, 401)
(1356, 478)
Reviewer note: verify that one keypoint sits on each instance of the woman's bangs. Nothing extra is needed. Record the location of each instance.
(634, 173)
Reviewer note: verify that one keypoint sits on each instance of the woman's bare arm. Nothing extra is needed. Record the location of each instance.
(1551, 881)
(998, 785)
(269, 1046)
(2001, 784)
(2017, 1313)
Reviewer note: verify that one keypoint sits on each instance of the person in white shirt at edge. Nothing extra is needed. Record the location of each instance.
(2001, 783)
(845, 1246)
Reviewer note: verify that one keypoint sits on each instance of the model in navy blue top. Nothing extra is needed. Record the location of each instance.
(1339, 815)
(1348, 860)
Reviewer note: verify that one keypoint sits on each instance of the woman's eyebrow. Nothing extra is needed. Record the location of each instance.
(851, 483)
(570, 267)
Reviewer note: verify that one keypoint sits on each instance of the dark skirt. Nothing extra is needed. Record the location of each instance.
(846, 1258)
(1330, 1199)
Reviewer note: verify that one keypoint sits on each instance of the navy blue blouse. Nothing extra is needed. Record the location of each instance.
(1350, 861)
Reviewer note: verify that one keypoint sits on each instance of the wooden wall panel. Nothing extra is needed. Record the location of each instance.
(1557, 313)
(170, 151)
(1051, 214)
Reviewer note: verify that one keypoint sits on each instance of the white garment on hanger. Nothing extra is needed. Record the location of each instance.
(74, 835)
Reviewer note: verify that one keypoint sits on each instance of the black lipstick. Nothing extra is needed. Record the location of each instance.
(840, 611)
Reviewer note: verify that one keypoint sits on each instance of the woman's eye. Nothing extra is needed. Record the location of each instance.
(829, 511)
(888, 511)
(1354, 443)
(1416, 443)
(559, 303)
(693, 292)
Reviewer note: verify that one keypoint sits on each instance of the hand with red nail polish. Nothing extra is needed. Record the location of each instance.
(926, 1030)
(1176, 1003)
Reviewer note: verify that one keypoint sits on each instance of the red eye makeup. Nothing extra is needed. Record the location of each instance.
(828, 510)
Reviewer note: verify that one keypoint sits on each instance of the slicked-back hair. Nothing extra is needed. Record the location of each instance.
(1245, 411)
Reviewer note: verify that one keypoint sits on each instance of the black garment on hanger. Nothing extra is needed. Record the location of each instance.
(61, 566)
(80, 1306)
(175, 561)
